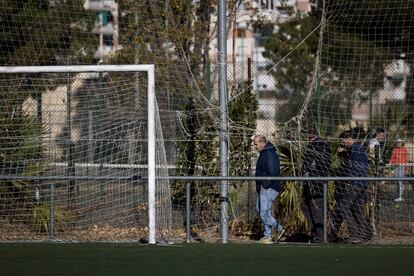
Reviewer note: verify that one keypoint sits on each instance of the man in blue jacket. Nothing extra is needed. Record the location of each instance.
(267, 165)
(351, 205)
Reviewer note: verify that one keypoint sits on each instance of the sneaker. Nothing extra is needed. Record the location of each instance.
(266, 240)
(281, 234)
(314, 240)
(353, 240)
(399, 199)
(369, 240)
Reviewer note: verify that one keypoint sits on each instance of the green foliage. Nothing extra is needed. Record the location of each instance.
(242, 113)
(41, 218)
(179, 31)
(20, 151)
(294, 75)
(238, 196)
(345, 51)
(42, 34)
(287, 208)
(197, 155)
(202, 142)
(367, 17)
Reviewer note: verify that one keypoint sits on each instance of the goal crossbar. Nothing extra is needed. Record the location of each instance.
(77, 68)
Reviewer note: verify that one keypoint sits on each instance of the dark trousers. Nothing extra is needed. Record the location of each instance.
(350, 208)
(312, 207)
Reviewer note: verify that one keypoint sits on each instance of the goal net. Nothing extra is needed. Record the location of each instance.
(342, 70)
(80, 138)
(346, 71)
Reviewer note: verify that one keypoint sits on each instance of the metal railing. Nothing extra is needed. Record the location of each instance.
(140, 179)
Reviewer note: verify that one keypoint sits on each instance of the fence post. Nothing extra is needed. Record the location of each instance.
(208, 80)
(188, 211)
(52, 211)
(250, 184)
(325, 211)
(101, 130)
(71, 146)
(224, 151)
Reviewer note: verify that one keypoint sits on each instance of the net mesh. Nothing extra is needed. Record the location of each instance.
(94, 125)
(354, 120)
(74, 126)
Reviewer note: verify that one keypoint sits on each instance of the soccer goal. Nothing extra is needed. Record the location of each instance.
(81, 149)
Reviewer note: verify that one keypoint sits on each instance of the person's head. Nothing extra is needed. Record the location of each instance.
(346, 139)
(380, 134)
(399, 142)
(259, 142)
(312, 133)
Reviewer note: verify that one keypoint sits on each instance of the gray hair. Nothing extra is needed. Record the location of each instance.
(259, 137)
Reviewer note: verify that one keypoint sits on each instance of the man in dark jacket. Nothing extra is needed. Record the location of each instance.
(340, 187)
(316, 163)
(351, 206)
(267, 165)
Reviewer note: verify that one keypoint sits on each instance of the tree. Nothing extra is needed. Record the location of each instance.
(387, 23)
(382, 30)
(36, 33)
(359, 39)
(294, 75)
(198, 153)
(349, 62)
(33, 33)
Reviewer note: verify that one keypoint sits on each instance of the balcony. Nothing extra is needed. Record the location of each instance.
(108, 29)
(100, 5)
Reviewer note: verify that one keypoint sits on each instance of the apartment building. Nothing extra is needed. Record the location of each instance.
(106, 26)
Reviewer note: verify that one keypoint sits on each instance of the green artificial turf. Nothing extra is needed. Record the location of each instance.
(202, 259)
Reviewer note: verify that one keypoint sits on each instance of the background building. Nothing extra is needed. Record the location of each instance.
(106, 26)
(254, 23)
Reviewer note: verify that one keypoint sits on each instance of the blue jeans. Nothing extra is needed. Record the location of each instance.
(264, 206)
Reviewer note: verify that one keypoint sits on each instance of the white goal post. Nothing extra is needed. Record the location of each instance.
(149, 69)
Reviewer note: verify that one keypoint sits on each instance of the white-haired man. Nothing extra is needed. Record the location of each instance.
(267, 164)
